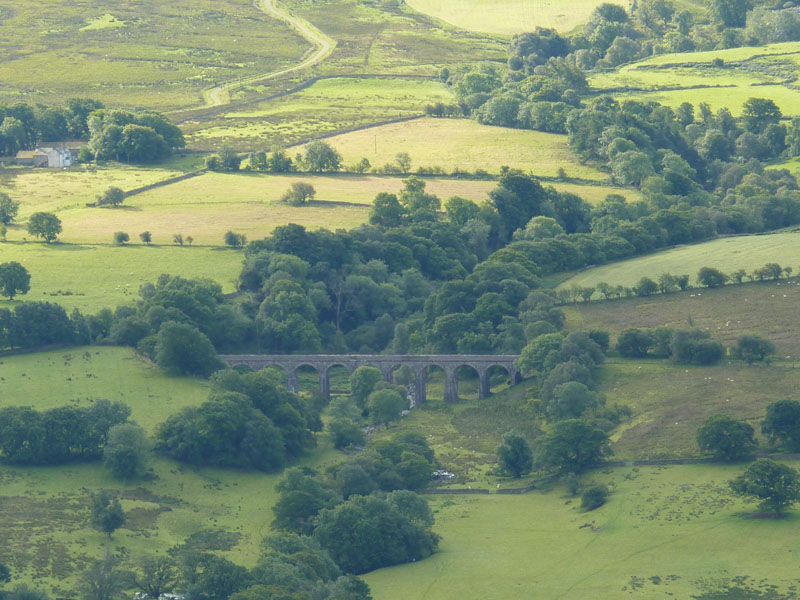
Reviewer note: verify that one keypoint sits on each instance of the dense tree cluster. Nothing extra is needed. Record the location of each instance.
(137, 137)
(684, 346)
(22, 126)
(58, 435)
(250, 421)
(362, 510)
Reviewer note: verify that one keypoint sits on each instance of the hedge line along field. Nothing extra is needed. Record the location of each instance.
(327, 106)
(729, 254)
(92, 277)
(506, 18)
(666, 532)
(147, 53)
(46, 510)
(695, 77)
(768, 309)
(465, 145)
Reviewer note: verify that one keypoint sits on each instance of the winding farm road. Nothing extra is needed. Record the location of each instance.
(323, 45)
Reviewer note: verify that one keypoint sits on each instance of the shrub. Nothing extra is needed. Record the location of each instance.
(594, 497)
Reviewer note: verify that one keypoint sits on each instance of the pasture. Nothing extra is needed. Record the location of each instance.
(46, 513)
(92, 277)
(726, 313)
(671, 79)
(148, 53)
(506, 18)
(327, 106)
(461, 144)
(666, 532)
(728, 254)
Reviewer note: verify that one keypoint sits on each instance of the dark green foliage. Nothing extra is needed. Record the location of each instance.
(776, 485)
(634, 343)
(139, 137)
(5, 573)
(183, 349)
(14, 279)
(127, 451)
(726, 438)
(107, 513)
(302, 496)
(158, 575)
(8, 209)
(570, 401)
(386, 405)
(753, 348)
(58, 435)
(782, 424)
(694, 347)
(113, 196)
(594, 497)
(235, 240)
(226, 431)
(572, 446)
(366, 533)
(299, 193)
(711, 277)
(44, 225)
(121, 238)
(514, 455)
(346, 433)
(23, 592)
(320, 156)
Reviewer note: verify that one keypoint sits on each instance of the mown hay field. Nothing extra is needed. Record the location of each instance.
(92, 277)
(465, 145)
(506, 18)
(729, 254)
(149, 53)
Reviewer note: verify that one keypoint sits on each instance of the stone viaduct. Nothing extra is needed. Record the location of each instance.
(387, 363)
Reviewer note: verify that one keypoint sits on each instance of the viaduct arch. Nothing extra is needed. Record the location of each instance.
(387, 363)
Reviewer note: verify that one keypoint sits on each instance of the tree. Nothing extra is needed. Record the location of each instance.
(158, 576)
(634, 343)
(753, 348)
(113, 196)
(362, 382)
(178, 239)
(387, 211)
(711, 277)
(570, 400)
(235, 240)
(185, 350)
(781, 424)
(514, 455)
(731, 13)
(14, 278)
(345, 432)
(8, 209)
(121, 238)
(385, 406)
(403, 161)
(776, 485)
(759, 113)
(107, 513)
(320, 156)
(727, 439)
(102, 581)
(44, 225)
(572, 446)
(127, 450)
(299, 193)
(594, 497)
(146, 237)
(645, 287)
(5, 573)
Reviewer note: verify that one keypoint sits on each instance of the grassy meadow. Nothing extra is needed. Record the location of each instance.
(671, 79)
(465, 145)
(45, 517)
(506, 18)
(144, 53)
(666, 532)
(327, 106)
(728, 254)
(92, 277)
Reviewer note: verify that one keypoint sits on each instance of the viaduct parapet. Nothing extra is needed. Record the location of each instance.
(387, 363)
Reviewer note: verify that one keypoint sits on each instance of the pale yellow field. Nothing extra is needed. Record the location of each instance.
(509, 16)
(463, 144)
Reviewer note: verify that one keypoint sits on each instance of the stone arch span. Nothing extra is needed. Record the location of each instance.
(418, 363)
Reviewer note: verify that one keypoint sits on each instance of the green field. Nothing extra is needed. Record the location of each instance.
(145, 53)
(329, 105)
(725, 312)
(665, 533)
(463, 144)
(671, 79)
(93, 277)
(729, 254)
(503, 17)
